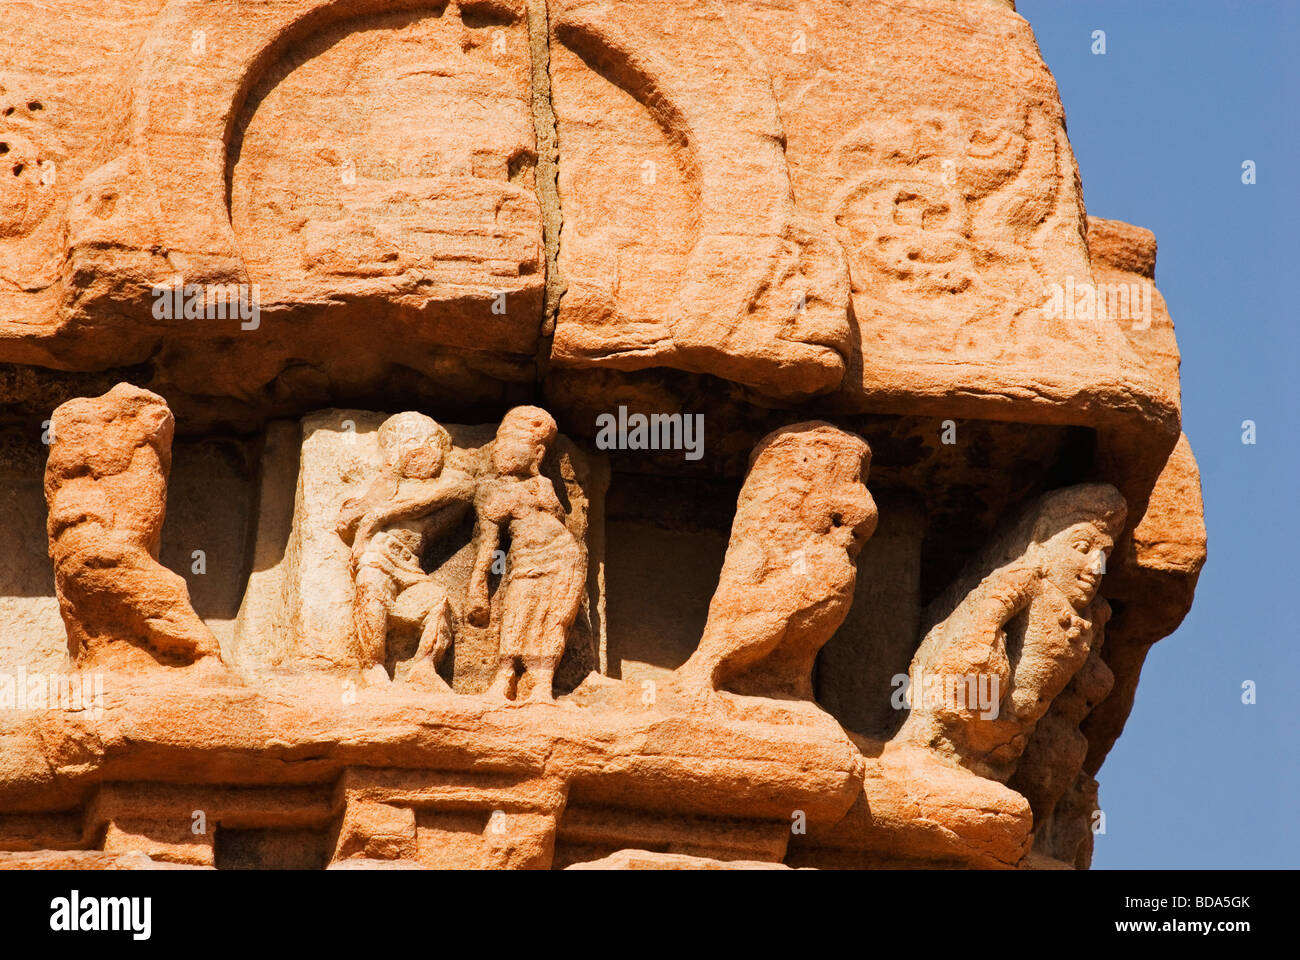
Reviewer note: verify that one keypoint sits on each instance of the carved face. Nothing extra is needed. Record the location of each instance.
(156, 420)
(517, 450)
(1073, 560)
(839, 505)
(413, 445)
(420, 460)
(809, 485)
(26, 196)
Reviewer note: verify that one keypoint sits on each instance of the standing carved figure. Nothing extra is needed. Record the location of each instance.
(412, 502)
(546, 566)
(1021, 621)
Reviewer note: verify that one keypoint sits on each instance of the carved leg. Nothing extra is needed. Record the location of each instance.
(542, 670)
(701, 671)
(370, 617)
(434, 641)
(177, 629)
(504, 679)
(118, 587)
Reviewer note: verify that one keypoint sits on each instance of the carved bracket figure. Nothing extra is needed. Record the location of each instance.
(106, 487)
(787, 581)
(1022, 631)
(1050, 773)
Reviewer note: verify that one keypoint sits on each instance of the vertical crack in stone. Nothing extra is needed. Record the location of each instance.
(548, 172)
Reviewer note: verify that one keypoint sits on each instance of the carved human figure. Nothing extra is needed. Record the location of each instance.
(788, 577)
(1023, 630)
(546, 566)
(412, 502)
(106, 487)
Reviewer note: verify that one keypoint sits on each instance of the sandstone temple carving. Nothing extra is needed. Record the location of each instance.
(317, 555)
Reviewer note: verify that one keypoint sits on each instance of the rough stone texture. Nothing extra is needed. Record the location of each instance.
(712, 268)
(646, 860)
(842, 235)
(82, 860)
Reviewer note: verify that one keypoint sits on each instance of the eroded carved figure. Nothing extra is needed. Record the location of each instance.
(1024, 630)
(787, 581)
(546, 565)
(412, 502)
(106, 487)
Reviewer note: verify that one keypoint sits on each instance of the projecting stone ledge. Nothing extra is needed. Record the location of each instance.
(386, 776)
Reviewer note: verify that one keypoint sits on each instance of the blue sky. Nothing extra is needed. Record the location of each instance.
(1186, 91)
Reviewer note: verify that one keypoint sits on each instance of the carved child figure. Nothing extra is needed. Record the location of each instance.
(413, 501)
(106, 486)
(1024, 630)
(546, 565)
